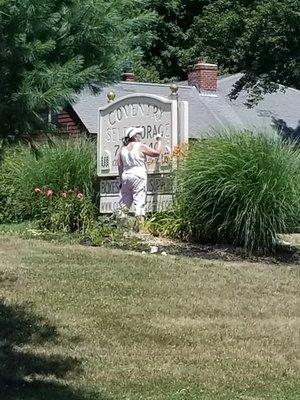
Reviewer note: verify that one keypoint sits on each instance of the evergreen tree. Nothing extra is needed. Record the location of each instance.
(49, 50)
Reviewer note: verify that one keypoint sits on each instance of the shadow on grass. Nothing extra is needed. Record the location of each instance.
(27, 375)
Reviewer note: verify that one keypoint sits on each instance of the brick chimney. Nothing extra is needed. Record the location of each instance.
(204, 76)
(128, 77)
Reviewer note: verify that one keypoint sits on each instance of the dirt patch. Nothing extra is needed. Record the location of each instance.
(283, 253)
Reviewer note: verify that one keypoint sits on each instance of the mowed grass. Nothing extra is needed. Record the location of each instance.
(84, 323)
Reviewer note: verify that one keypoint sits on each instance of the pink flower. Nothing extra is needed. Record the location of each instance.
(79, 196)
(64, 194)
(37, 191)
(49, 192)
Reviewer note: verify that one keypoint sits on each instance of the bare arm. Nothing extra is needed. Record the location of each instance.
(147, 151)
(120, 165)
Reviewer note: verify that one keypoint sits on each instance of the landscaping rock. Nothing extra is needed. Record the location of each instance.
(153, 249)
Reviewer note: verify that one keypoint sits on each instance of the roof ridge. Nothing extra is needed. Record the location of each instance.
(152, 84)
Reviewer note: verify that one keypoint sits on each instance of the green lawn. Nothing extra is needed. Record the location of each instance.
(84, 323)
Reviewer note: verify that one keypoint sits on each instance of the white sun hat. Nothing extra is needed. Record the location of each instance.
(130, 132)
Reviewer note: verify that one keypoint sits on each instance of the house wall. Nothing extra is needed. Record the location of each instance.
(69, 122)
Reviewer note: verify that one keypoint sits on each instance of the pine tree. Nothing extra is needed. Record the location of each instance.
(49, 50)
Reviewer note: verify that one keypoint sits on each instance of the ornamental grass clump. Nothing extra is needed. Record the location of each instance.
(241, 188)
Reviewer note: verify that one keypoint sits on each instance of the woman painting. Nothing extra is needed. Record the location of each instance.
(133, 171)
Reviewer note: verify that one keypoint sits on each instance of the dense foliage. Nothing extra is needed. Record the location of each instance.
(163, 53)
(259, 38)
(239, 188)
(50, 49)
(56, 188)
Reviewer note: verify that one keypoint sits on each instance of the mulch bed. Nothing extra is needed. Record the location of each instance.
(282, 254)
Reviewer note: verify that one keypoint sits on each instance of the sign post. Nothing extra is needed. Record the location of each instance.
(155, 115)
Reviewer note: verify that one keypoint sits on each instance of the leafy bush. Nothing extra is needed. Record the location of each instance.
(171, 223)
(107, 231)
(60, 165)
(241, 188)
(68, 211)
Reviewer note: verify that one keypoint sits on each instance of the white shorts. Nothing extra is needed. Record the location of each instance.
(133, 192)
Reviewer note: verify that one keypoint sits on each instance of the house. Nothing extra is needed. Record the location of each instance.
(209, 104)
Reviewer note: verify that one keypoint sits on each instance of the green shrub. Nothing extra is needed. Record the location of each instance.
(171, 223)
(60, 166)
(240, 188)
(68, 211)
(107, 231)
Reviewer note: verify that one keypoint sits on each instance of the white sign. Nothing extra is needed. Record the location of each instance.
(159, 193)
(156, 184)
(152, 113)
(155, 115)
(155, 202)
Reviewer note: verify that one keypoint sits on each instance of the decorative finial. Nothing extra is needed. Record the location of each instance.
(174, 89)
(111, 96)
